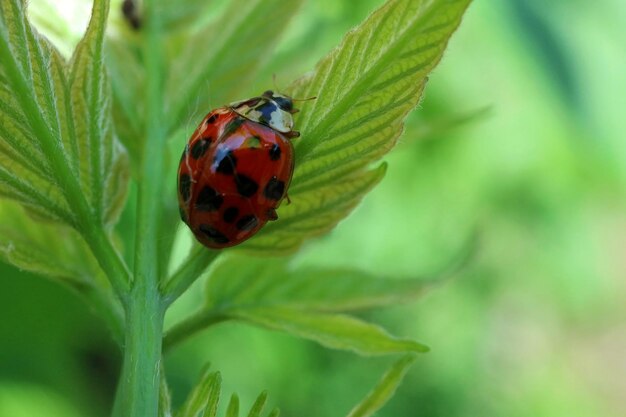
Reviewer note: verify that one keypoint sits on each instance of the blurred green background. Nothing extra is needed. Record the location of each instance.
(521, 136)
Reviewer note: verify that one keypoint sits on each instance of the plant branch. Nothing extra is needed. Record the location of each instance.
(195, 264)
(152, 163)
(138, 390)
(191, 325)
(109, 259)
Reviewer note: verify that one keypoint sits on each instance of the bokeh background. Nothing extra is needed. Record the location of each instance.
(520, 137)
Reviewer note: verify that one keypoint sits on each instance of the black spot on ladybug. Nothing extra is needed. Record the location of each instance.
(213, 234)
(275, 152)
(211, 119)
(225, 160)
(230, 214)
(200, 147)
(208, 200)
(274, 189)
(246, 186)
(184, 186)
(248, 222)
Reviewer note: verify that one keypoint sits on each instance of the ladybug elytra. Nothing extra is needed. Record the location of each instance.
(236, 168)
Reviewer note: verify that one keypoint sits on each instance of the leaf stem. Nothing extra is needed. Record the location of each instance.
(190, 325)
(109, 259)
(189, 271)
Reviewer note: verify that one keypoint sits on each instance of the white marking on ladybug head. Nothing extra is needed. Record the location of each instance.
(271, 109)
(281, 121)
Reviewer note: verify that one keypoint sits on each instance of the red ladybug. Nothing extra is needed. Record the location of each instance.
(236, 169)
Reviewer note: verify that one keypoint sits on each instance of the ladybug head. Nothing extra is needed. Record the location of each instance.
(270, 109)
(284, 102)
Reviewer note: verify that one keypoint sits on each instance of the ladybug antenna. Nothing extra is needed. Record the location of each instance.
(276, 88)
(300, 99)
(304, 99)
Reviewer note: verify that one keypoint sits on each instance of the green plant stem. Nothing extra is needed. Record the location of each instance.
(138, 391)
(186, 275)
(199, 321)
(109, 259)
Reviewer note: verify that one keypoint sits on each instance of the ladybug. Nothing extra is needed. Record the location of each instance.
(236, 169)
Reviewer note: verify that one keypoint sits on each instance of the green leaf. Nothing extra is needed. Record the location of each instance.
(372, 80)
(233, 406)
(128, 88)
(313, 212)
(259, 403)
(101, 161)
(203, 400)
(270, 293)
(181, 15)
(275, 413)
(71, 168)
(27, 244)
(238, 281)
(365, 88)
(233, 49)
(334, 331)
(32, 96)
(385, 389)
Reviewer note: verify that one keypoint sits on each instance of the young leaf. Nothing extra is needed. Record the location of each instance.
(274, 413)
(233, 407)
(79, 173)
(31, 91)
(385, 389)
(258, 405)
(101, 160)
(313, 212)
(271, 282)
(203, 400)
(25, 243)
(177, 15)
(237, 289)
(127, 86)
(364, 89)
(256, 409)
(233, 48)
(334, 331)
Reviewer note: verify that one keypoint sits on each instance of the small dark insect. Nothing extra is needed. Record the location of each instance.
(131, 13)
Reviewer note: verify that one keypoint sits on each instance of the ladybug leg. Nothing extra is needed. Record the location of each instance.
(293, 134)
(288, 199)
(271, 214)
